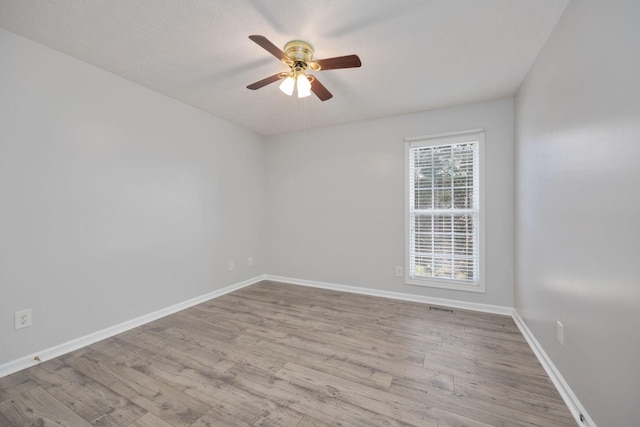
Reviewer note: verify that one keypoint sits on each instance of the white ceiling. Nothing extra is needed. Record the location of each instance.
(416, 54)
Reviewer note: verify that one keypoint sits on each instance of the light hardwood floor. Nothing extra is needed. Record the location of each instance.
(274, 354)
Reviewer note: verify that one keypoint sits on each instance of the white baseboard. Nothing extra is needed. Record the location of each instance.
(69, 346)
(486, 308)
(563, 388)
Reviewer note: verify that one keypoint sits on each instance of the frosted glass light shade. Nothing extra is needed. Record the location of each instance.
(287, 85)
(304, 86)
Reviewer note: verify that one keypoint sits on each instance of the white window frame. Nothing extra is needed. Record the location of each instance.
(437, 140)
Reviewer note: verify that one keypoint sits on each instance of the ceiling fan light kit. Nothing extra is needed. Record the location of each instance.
(303, 85)
(288, 85)
(298, 56)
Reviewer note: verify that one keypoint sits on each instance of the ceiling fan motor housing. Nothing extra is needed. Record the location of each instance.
(300, 55)
(298, 50)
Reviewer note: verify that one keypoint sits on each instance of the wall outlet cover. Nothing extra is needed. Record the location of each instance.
(22, 319)
(560, 332)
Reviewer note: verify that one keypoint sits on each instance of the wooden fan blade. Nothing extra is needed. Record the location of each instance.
(319, 89)
(348, 61)
(264, 82)
(264, 43)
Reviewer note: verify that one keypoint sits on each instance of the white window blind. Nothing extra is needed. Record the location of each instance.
(443, 212)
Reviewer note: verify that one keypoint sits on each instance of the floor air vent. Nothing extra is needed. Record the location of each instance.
(441, 309)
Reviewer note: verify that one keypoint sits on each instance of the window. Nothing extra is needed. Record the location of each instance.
(444, 220)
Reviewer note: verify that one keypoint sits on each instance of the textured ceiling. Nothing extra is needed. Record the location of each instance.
(416, 54)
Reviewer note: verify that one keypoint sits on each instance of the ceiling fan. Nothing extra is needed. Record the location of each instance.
(298, 55)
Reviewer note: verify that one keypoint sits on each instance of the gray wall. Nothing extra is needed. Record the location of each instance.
(578, 204)
(115, 201)
(335, 201)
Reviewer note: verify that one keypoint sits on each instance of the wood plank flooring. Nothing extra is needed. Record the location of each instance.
(274, 354)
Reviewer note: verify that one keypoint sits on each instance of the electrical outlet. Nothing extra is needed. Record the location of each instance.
(22, 319)
(250, 260)
(231, 265)
(399, 272)
(560, 332)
